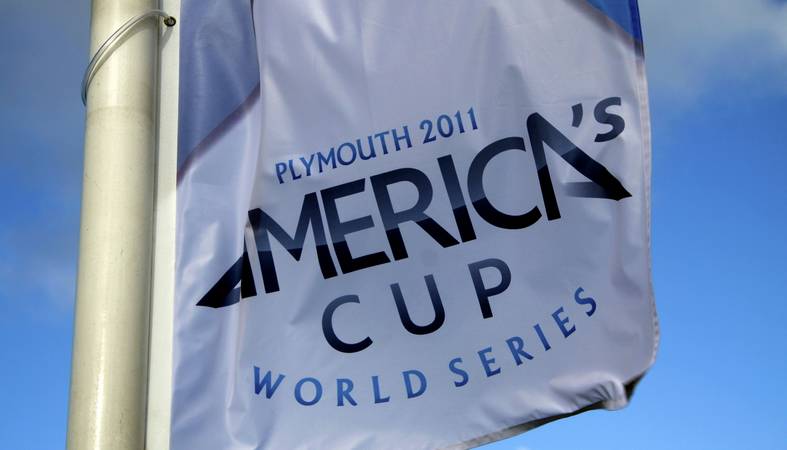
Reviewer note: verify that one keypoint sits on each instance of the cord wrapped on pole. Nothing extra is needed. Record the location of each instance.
(113, 39)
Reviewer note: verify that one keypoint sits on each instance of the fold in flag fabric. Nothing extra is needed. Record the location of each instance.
(408, 224)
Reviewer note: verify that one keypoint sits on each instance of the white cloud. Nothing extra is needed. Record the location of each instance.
(691, 45)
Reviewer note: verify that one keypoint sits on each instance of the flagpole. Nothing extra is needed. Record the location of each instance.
(107, 404)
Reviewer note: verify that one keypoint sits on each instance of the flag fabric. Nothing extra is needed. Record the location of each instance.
(408, 224)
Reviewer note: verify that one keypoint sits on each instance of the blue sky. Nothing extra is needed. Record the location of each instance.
(718, 79)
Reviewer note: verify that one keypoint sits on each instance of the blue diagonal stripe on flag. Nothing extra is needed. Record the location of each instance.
(218, 66)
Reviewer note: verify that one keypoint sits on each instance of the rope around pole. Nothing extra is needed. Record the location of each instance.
(113, 39)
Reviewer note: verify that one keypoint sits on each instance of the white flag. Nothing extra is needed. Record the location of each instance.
(408, 224)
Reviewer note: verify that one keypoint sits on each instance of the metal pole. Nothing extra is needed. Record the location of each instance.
(109, 373)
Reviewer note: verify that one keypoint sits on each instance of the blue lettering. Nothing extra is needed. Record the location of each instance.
(280, 169)
(516, 344)
(452, 366)
(372, 153)
(343, 161)
(585, 301)
(299, 391)
(542, 338)
(562, 322)
(295, 176)
(376, 388)
(343, 388)
(308, 164)
(405, 137)
(266, 383)
(331, 158)
(487, 362)
(409, 386)
(381, 137)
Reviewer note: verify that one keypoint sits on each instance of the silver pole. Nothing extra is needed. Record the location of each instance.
(109, 373)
